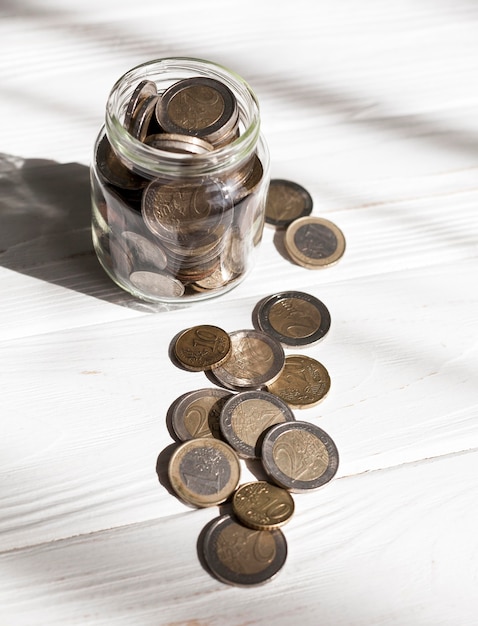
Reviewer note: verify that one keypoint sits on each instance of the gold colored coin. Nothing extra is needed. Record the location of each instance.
(204, 472)
(202, 347)
(303, 382)
(314, 242)
(262, 506)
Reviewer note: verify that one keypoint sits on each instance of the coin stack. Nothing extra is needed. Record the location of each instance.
(189, 227)
(312, 242)
(248, 415)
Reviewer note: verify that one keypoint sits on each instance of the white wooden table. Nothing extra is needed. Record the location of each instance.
(373, 107)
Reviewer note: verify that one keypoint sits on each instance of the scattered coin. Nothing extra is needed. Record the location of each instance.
(256, 359)
(303, 382)
(245, 417)
(242, 556)
(294, 318)
(299, 456)
(202, 347)
(286, 202)
(204, 472)
(314, 242)
(196, 413)
(262, 506)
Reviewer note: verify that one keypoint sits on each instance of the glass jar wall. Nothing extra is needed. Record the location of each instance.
(179, 181)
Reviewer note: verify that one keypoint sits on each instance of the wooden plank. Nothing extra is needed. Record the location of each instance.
(388, 547)
(85, 433)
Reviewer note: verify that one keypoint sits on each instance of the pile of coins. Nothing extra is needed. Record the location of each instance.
(179, 233)
(249, 415)
(312, 242)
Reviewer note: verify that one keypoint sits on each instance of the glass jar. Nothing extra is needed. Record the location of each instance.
(179, 181)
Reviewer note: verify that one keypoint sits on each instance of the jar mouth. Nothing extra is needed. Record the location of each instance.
(152, 162)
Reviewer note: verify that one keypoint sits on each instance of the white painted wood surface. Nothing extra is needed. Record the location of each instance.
(373, 107)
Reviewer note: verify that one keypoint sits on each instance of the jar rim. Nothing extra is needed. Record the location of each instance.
(155, 162)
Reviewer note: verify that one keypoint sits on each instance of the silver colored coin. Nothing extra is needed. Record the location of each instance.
(204, 472)
(241, 556)
(196, 413)
(247, 415)
(299, 456)
(294, 318)
(256, 359)
(157, 284)
(144, 89)
(199, 106)
(145, 252)
(183, 144)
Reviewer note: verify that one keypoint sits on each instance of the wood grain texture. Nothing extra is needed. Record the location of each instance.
(371, 107)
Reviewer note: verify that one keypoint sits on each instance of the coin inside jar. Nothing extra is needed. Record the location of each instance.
(204, 472)
(198, 106)
(303, 382)
(286, 202)
(202, 347)
(299, 456)
(143, 90)
(256, 359)
(262, 506)
(156, 283)
(314, 242)
(238, 555)
(247, 415)
(294, 318)
(183, 144)
(185, 214)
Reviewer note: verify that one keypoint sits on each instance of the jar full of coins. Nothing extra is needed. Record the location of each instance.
(179, 181)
